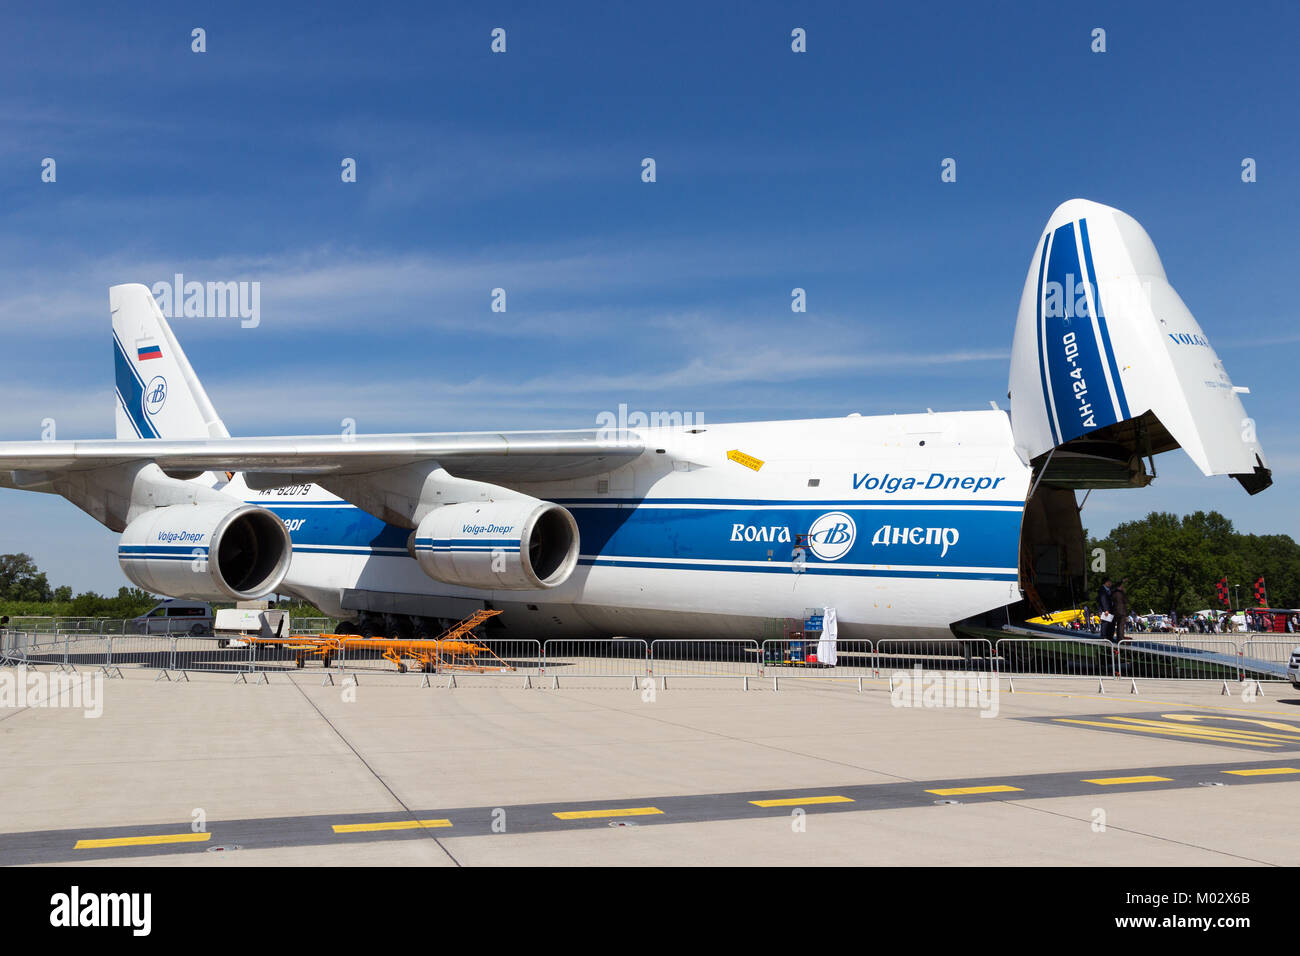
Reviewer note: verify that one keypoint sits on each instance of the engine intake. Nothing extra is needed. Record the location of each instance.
(207, 552)
(514, 544)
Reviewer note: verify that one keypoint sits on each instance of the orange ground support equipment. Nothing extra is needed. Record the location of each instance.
(453, 650)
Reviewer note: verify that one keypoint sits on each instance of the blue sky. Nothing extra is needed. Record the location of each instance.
(522, 171)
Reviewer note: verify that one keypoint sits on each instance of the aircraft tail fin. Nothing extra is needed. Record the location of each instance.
(158, 394)
(1109, 366)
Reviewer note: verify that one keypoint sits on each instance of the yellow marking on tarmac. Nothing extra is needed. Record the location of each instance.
(1113, 781)
(1291, 729)
(1261, 771)
(390, 825)
(800, 801)
(143, 840)
(592, 814)
(1185, 734)
(1230, 733)
(957, 791)
(1137, 700)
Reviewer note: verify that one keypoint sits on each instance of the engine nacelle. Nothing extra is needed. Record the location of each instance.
(514, 544)
(206, 551)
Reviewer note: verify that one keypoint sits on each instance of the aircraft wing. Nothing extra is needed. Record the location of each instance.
(503, 457)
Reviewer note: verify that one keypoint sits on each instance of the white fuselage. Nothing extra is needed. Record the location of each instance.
(904, 524)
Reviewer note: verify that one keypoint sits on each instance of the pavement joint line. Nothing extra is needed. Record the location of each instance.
(365, 763)
(752, 742)
(1031, 808)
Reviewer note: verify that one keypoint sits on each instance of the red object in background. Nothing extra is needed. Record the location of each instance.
(1222, 590)
(1268, 620)
(1261, 595)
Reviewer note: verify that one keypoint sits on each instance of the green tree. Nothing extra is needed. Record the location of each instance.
(1173, 564)
(21, 581)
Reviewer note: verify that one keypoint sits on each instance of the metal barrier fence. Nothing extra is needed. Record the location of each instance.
(1162, 657)
(102, 626)
(965, 655)
(139, 651)
(1267, 660)
(813, 658)
(625, 658)
(87, 651)
(1056, 657)
(1183, 658)
(207, 654)
(722, 657)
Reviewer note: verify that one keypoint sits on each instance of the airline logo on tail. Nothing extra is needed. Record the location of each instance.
(155, 396)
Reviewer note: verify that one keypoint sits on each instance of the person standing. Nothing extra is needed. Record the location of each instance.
(1106, 607)
(1120, 600)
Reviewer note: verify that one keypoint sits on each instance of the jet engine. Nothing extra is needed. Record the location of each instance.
(206, 552)
(513, 544)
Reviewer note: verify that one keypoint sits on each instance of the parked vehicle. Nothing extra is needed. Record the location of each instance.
(174, 616)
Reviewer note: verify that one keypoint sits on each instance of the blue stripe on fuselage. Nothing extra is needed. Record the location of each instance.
(908, 534)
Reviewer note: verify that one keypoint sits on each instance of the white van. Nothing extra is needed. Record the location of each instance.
(174, 616)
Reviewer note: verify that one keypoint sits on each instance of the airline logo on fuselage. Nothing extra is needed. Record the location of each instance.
(183, 537)
(832, 535)
(943, 538)
(478, 529)
(759, 532)
(937, 481)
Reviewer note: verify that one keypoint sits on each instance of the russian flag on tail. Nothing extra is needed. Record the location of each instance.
(148, 352)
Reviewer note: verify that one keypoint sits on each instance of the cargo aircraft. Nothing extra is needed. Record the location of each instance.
(908, 525)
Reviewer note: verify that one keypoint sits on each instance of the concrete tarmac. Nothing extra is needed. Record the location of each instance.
(211, 772)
